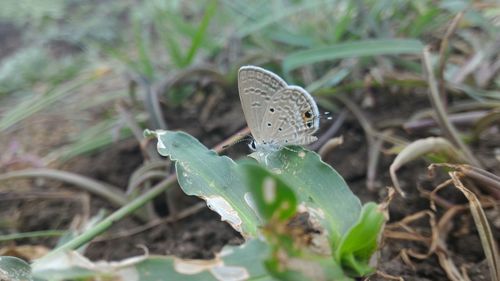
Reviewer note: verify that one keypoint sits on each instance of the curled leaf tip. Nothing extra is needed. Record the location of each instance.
(149, 133)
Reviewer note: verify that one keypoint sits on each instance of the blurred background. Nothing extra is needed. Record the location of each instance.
(81, 80)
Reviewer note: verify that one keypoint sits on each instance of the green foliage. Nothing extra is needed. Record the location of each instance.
(23, 68)
(34, 64)
(251, 197)
(286, 230)
(321, 189)
(14, 269)
(203, 173)
(300, 219)
(274, 199)
(359, 244)
(22, 11)
(30, 106)
(153, 39)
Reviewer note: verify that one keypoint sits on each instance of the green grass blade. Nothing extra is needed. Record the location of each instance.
(200, 33)
(358, 245)
(422, 23)
(92, 139)
(142, 42)
(272, 17)
(352, 49)
(32, 234)
(33, 105)
(168, 38)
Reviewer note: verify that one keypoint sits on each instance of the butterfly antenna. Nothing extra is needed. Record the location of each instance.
(325, 115)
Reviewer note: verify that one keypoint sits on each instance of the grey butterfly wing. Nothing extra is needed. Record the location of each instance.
(292, 117)
(256, 87)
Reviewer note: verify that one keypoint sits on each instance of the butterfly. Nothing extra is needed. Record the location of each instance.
(276, 113)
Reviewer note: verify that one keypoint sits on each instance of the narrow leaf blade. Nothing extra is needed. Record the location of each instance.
(352, 49)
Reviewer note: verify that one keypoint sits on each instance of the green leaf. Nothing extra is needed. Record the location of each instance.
(203, 173)
(273, 197)
(352, 49)
(14, 269)
(358, 245)
(286, 231)
(233, 263)
(323, 191)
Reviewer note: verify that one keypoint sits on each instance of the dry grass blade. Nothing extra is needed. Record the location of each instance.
(388, 276)
(449, 267)
(443, 49)
(131, 122)
(441, 117)
(330, 145)
(373, 159)
(483, 227)
(370, 134)
(111, 193)
(391, 231)
(419, 148)
(486, 121)
(485, 180)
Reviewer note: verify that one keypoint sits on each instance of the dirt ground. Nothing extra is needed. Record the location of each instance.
(42, 204)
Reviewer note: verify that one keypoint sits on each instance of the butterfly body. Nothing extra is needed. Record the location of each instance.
(277, 114)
